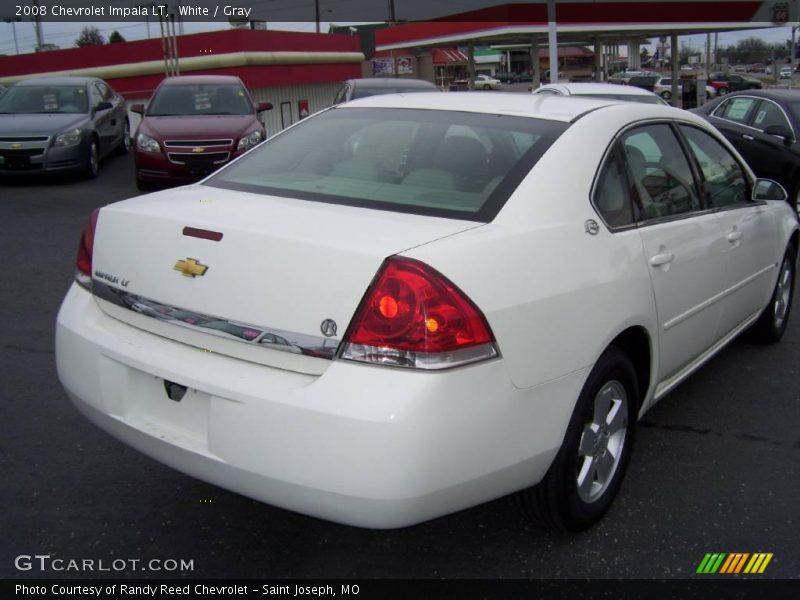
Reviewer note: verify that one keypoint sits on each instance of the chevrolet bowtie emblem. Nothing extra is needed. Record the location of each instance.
(190, 267)
(15, 146)
(198, 149)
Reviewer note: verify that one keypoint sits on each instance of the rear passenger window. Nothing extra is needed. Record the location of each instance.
(768, 113)
(612, 198)
(725, 181)
(660, 172)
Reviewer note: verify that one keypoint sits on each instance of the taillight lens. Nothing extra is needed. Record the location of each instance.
(413, 316)
(83, 266)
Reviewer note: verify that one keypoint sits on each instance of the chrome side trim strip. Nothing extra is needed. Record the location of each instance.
(693, 311)
(254, 335)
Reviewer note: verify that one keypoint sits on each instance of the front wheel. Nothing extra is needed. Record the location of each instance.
(125, 143)
(666, 95)
(771, 325)
(92, 161)
(588, 470)
(722, 91)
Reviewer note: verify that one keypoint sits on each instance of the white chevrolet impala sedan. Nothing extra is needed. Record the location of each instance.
(408, 305)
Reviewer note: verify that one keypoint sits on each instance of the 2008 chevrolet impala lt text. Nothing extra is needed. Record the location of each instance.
(407, 305)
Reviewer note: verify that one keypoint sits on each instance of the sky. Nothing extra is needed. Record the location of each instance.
(64, 34)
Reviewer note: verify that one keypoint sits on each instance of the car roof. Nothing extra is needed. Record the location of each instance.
(57, 81)
(391, 82)
(198, 79)
(589, 88)
(545, 106)
(773, 94)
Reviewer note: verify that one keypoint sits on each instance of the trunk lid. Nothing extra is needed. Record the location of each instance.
(281, 269)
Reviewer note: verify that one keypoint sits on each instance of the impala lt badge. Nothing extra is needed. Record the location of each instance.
(190, 267)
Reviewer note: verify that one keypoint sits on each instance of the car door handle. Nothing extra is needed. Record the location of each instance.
(749, 138)
(734, 236)
(659, 260)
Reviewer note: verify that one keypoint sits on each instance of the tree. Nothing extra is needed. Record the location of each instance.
(90, 36)
(115, 37)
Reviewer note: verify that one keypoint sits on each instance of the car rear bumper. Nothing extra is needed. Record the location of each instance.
(360, 445)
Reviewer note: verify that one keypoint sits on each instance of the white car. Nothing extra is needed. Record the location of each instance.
(486, 294)
(663, 88)
(607, 91)
(482, 82)
(785, 73)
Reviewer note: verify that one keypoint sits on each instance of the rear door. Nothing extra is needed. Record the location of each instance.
(732, 118)
(681, 245)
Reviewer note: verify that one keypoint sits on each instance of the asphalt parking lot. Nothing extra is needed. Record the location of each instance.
(714, 470)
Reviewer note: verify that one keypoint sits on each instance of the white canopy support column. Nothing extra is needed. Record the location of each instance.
(634, 58)
(535, 69)
(599, 74)
(675, 55)
(552, 39)
(471, 65)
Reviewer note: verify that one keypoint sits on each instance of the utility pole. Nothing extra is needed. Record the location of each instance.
(13, 22)
(37, 25)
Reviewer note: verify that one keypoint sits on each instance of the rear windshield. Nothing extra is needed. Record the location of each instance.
(201, 99)
(364, 92)
(443, 163)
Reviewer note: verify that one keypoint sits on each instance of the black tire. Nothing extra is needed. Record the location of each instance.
(92, 167)
(125, 143)
(486, 86)
(722, 91)
(556, 501)
(666, 95)
(771, 325)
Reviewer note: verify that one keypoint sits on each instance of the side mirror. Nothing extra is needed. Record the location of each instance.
(104, 105)
(780, 131)
(262, 106)
(138, 109)
(767, 189)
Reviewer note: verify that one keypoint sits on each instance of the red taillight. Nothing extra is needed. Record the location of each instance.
(414, 316)
(83, 265)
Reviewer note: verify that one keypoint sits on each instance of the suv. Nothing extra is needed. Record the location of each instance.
(353, 89)
(194, 125)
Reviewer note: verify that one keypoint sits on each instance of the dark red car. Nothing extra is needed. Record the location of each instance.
(193, 125)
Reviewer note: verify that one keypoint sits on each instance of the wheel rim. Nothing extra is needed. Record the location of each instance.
(93, 163)
(783, 294)
(602, 441)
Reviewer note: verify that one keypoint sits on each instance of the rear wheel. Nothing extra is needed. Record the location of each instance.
(722, 91)
(666, 95)
(486, 86)
(771, 325)
(588, 470)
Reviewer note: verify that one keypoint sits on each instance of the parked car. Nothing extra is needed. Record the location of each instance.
(387, 234)
(663, 88)
(481, 82)
(763, 125)
(50, 124)
(193, 125)
(786, 73)
(732, 82)
(352, 89)
(610, 91)
(2, 90)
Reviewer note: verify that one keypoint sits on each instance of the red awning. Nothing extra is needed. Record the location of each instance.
(448, 56)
